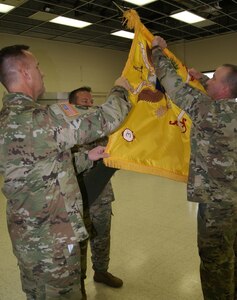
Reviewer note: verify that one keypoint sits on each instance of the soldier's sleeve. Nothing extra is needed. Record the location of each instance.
(72, 128)
(3, 150)
(81, 161)
(185, 96)
(2, 160)
(204, 80)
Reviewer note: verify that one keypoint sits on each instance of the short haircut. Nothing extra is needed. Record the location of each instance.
(72, 94)
(10, 52)
(231, 79)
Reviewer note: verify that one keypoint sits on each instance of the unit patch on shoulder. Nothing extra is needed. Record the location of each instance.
(69, 109)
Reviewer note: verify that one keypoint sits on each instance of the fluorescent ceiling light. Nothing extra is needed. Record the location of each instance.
(187, 17)
(4, 8)
(70, 22)
(140, 2)
(123, 33)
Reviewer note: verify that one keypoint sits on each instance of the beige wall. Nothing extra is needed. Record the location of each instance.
(207, 54)
(67, 66)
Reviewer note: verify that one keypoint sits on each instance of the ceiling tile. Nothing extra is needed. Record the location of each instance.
(31, 18)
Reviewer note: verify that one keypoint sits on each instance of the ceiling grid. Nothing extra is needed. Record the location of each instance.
(30, 18)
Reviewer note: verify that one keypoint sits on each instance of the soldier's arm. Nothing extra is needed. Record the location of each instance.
(202, 78)
(99, 142)
(185, 96)
(83, 129)
(83, 160)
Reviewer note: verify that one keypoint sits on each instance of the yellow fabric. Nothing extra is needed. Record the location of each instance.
(154, 138)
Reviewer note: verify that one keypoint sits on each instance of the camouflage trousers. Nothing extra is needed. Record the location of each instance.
(217, 243)
(97, 220)
(56, 277)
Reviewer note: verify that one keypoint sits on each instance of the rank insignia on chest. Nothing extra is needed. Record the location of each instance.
(69, 109)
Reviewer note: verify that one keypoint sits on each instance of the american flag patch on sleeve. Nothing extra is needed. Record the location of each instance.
(69, 109)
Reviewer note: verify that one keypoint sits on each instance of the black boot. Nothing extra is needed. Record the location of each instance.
(108, 279)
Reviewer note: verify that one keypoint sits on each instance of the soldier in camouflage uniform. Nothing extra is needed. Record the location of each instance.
(212, 178)
(44, 206)
(97, 216)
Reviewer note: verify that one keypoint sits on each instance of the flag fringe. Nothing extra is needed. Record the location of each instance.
(132, 19)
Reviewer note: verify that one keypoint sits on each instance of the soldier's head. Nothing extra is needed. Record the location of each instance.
(81, 96)
(19, 71)
(223, 84)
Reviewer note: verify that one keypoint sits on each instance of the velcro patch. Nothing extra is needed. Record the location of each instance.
(69, 109)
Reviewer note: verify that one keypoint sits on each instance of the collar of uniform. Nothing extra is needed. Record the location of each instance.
(82, 107)
(17, 99)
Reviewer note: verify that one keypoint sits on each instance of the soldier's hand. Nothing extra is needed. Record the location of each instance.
(159, 41)
(195, 74)
(121, 81)
(97, 153)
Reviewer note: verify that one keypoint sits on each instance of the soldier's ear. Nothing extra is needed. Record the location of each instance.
(25, 73)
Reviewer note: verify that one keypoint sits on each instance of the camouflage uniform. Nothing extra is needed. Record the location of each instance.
(212, 178)
(97, 217)
(44, 204)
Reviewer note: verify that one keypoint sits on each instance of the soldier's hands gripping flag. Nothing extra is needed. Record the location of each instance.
(155, 137)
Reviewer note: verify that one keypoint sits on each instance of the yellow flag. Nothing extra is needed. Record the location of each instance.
(154, 139)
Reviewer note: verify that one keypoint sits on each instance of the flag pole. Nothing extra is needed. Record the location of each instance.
(118, 6)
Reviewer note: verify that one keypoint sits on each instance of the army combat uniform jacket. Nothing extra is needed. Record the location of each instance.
(107, 195)
(43, 200)
(97, 215)
(212, 172)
